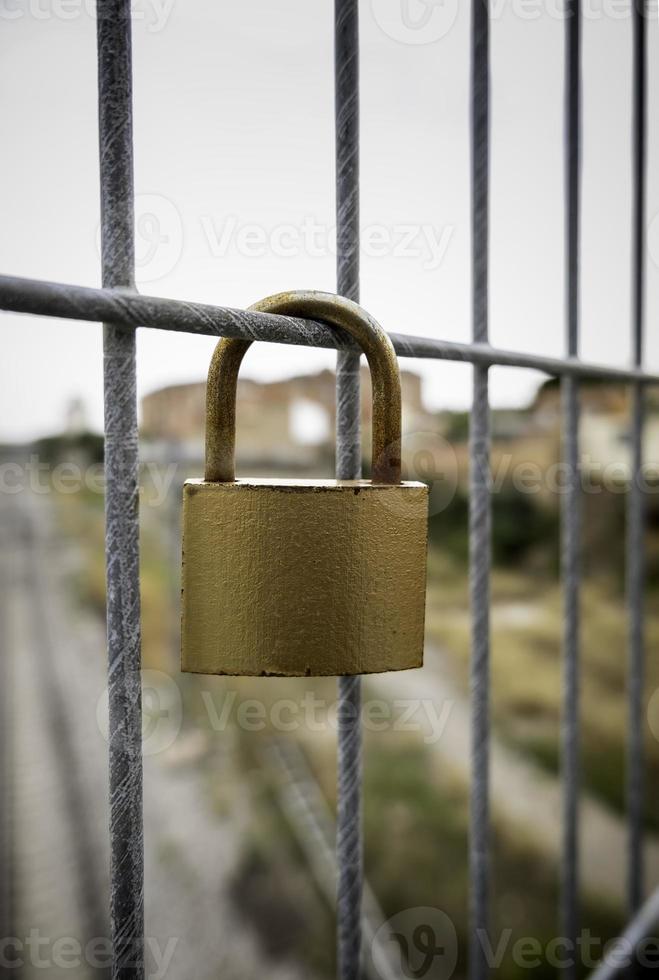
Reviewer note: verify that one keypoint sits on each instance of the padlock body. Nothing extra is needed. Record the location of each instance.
(298, 578)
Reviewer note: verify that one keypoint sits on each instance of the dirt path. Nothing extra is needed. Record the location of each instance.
(521, 792)
(54, 659)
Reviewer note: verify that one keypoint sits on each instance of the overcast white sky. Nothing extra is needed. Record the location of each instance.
(234, 177)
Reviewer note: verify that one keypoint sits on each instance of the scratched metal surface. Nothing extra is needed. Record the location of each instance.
(69, 301)
(349, 844)
(121, 498)
(480, 519)
(636, 504)
(571, 500)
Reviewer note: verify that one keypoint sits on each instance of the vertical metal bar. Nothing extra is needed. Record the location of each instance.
(570, 501)
(640, 12)
(479, 504)
(121, 499)
(571, 577)
(572, 168)
(348, 466)
(479, 574)
(635, 601)
(636, 503)
(349, 829)
(8, 804)
(346, 78)
(480, 166)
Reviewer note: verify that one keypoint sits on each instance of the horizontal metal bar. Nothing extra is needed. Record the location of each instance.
(133, 309)
(626, 946)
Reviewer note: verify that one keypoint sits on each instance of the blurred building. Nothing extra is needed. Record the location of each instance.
(290, 425)
(283, 423)
(604, 428)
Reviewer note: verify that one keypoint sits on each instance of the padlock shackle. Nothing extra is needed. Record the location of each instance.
(337, 312)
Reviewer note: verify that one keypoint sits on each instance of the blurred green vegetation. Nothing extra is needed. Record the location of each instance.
(415, 822)
(527, 627)
(55, 449)
(416, 839)
(526, 619)
(416, 809)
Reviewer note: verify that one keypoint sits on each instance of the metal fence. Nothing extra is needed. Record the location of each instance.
(118, 305)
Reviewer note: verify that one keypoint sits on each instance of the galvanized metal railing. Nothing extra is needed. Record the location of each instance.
(121, 497)
(122, 309)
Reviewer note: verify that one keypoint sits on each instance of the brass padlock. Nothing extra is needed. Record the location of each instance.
(304, 577)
